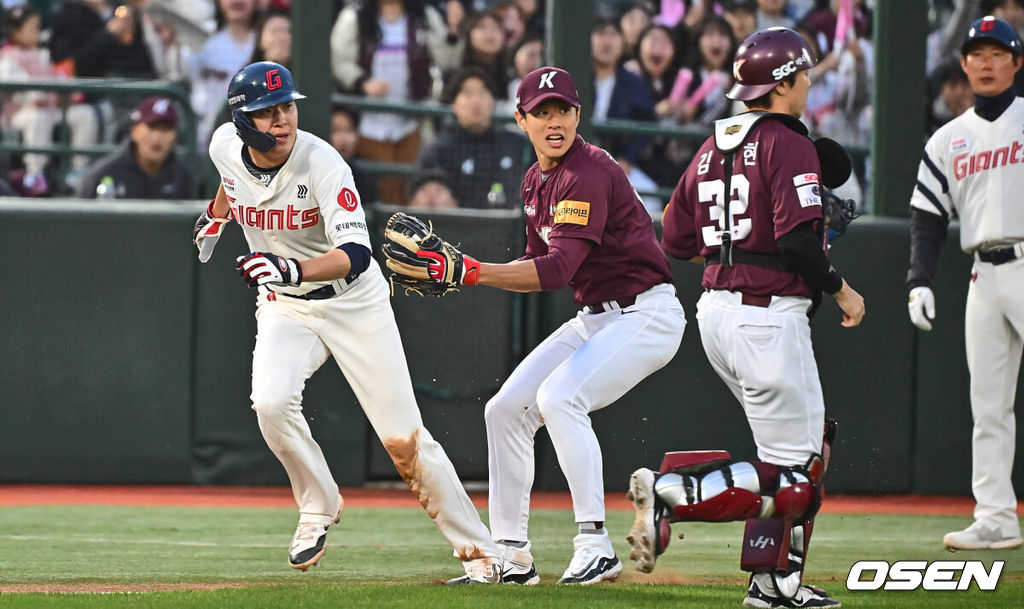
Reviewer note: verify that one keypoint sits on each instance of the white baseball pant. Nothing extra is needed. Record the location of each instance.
(765, 357)
(993, 329)
(586, 364)
(294, 338)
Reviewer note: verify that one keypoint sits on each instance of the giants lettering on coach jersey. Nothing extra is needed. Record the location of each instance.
(965, 164)
(290, 218)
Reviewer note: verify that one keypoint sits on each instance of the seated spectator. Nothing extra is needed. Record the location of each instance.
(485, 49)
(385, 49)
(512, 22)
(525, 57)
(94, 45)
(33, 114)
(772, 13)
(146, 167)
(429, 190)
(273, 39)
(633, 21)
(618, 93)
(226, 52)
(698, 93)
(533, 15)
(482, 164)
(742, 17)
(951, 95)
(345, 139)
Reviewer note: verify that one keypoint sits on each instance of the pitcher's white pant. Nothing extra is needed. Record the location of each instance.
(294, 338)
(765, 357)
(588, 363)
(993, 328)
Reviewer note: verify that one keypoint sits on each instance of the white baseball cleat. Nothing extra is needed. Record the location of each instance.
(761, 594)
(485, 570)
(981, 536)
(517, 565)
(645, 534)
(593, 560)
(310, 542)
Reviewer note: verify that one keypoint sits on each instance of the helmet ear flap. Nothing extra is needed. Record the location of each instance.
(251, 136)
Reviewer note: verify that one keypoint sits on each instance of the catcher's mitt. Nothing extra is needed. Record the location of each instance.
(838, 214)
(422, 262)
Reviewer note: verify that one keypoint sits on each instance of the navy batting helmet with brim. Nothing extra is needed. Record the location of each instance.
(992, 29)
(259, 85)
(765, 58)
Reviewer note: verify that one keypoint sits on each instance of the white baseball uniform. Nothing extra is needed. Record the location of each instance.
(309, 207)
(974, 169)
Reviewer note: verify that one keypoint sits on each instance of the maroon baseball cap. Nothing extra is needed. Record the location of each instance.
(543, 84)
(156, 111)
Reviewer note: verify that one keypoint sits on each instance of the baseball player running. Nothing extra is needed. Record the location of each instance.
(972, 169)
(586, 228)
(320, 294)
(764, 253)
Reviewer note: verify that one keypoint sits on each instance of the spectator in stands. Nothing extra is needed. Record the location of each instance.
(429, 190)
(273, 38)
(526, 57)
(345, 139)
(742, 17)
(659, 64)
(94, 45)
(772, 13)
(698, 93)
(33, 114)
(226, 52)
(633, 22)
(146, 167)
(512, 22)
(825, 19)
(482, 164)
(951, 94)
(485, 49)
(533, 15)
(385, 49)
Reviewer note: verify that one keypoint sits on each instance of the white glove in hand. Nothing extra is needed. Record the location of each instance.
(207, 231)
(261, 268)
(922, 307)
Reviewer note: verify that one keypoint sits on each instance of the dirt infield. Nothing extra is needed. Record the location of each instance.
(208, 496)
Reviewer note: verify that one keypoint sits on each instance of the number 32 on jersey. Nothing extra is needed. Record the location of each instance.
(713, 192)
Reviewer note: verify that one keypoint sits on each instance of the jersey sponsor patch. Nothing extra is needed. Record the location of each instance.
(959, 145)
(807, 190)
(347, 199)
(572, 212)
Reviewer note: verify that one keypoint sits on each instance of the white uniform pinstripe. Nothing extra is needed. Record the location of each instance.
(310, 207)
(974, 169)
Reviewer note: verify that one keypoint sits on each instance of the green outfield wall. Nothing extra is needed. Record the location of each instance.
(125, 361)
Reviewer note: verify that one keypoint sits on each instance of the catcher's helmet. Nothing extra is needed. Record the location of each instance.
(257, 86)
(995, 29)
(765, 58)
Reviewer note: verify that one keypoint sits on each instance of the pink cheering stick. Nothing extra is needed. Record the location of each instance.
(672, 12)
(844, 21)
(713, 81)
(681, 86)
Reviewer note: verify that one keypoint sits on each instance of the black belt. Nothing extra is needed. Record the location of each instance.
(318, 294)
(623, 303)
(999, 256)
(768, 261)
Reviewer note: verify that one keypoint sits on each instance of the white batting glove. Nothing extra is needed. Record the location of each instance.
(921, 305)
(261, 268)
(207, 231)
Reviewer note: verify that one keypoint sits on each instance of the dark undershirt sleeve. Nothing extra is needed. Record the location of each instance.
(359, 255)
(802, 253)
(927, 234)
(564, 257)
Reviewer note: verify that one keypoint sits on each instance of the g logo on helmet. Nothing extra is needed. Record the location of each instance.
(273, 79)
(784, 70)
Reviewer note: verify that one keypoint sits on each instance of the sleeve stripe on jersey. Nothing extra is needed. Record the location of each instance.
(935, 200)
(935, 172)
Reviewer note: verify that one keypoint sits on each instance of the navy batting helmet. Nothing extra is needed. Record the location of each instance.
(255, 87)
(995, 29)
(765, 58)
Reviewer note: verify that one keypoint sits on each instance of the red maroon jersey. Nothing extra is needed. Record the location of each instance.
(588, 196)
(774, 189)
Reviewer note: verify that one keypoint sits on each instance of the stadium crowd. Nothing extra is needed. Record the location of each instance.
(666, 62)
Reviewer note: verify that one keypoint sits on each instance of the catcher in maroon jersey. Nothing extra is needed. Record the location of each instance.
(764, 250)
